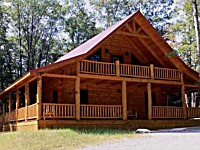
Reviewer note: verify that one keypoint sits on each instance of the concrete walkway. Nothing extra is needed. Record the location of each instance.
(172, 139)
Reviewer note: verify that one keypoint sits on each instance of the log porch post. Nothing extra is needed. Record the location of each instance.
(10, 102)
(124, 100)
(27, 100)
(117, 68)
(77, 97)
(152, 71)
(183, 98)
(4, 106)
(149, 92)
(17, 103)
(39, 97)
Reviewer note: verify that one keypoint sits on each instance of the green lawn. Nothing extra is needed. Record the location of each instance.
(62, 139)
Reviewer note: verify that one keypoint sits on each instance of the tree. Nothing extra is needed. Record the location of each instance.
(158, 12)
(182, 34)
(196, 24)
(79, 24)
(35, 31)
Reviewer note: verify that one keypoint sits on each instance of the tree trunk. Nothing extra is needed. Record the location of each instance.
(196, 24)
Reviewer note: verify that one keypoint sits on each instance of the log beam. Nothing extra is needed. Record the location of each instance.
(39, 97)
(58, 76)
(77, 97)
(124, 100)
(149, 101)
(139, 80)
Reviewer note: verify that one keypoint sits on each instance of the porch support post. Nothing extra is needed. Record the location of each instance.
(152, 71)
(77, 97)
(10, 102)
(183, 98)
(27, 100)
(124, 100)
(117, 68)
(39, 97)
(17, 103)
(4, 107)
(149, 101)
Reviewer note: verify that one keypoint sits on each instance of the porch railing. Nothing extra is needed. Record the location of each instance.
(12, 115)
(58, 110)
(32, 111)
(101, 111)
(167, 112)
(93, 67)
(21, 113)
(193, 112)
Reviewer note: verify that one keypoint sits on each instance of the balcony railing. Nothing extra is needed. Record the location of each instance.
(127, 70)
(101, 111)
(167, 112)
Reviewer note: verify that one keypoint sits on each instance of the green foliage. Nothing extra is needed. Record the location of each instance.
(158, 12)
(183, 34)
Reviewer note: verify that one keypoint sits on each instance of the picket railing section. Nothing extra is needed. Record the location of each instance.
(21, 113)
(135, 71)
(168, 74)
(193, 112)
(12, 115)
(127, 70)
(87, 66)
(167, 112)
(101, 111)
(58, 110)
(32, 111)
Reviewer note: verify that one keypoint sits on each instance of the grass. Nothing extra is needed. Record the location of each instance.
(60, 139)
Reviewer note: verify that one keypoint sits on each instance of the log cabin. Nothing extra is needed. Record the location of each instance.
(124, 77)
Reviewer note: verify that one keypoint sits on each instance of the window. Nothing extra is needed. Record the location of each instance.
(96, 56)
(55, 96)
(117, 57)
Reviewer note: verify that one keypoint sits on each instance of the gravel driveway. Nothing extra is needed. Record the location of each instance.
(173, 139)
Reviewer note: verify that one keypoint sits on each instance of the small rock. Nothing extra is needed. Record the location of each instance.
(142, 131)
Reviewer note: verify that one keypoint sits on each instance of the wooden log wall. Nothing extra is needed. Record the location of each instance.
(107, 51)
(64, 87)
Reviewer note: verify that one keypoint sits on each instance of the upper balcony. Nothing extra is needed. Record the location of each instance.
(127, 70)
